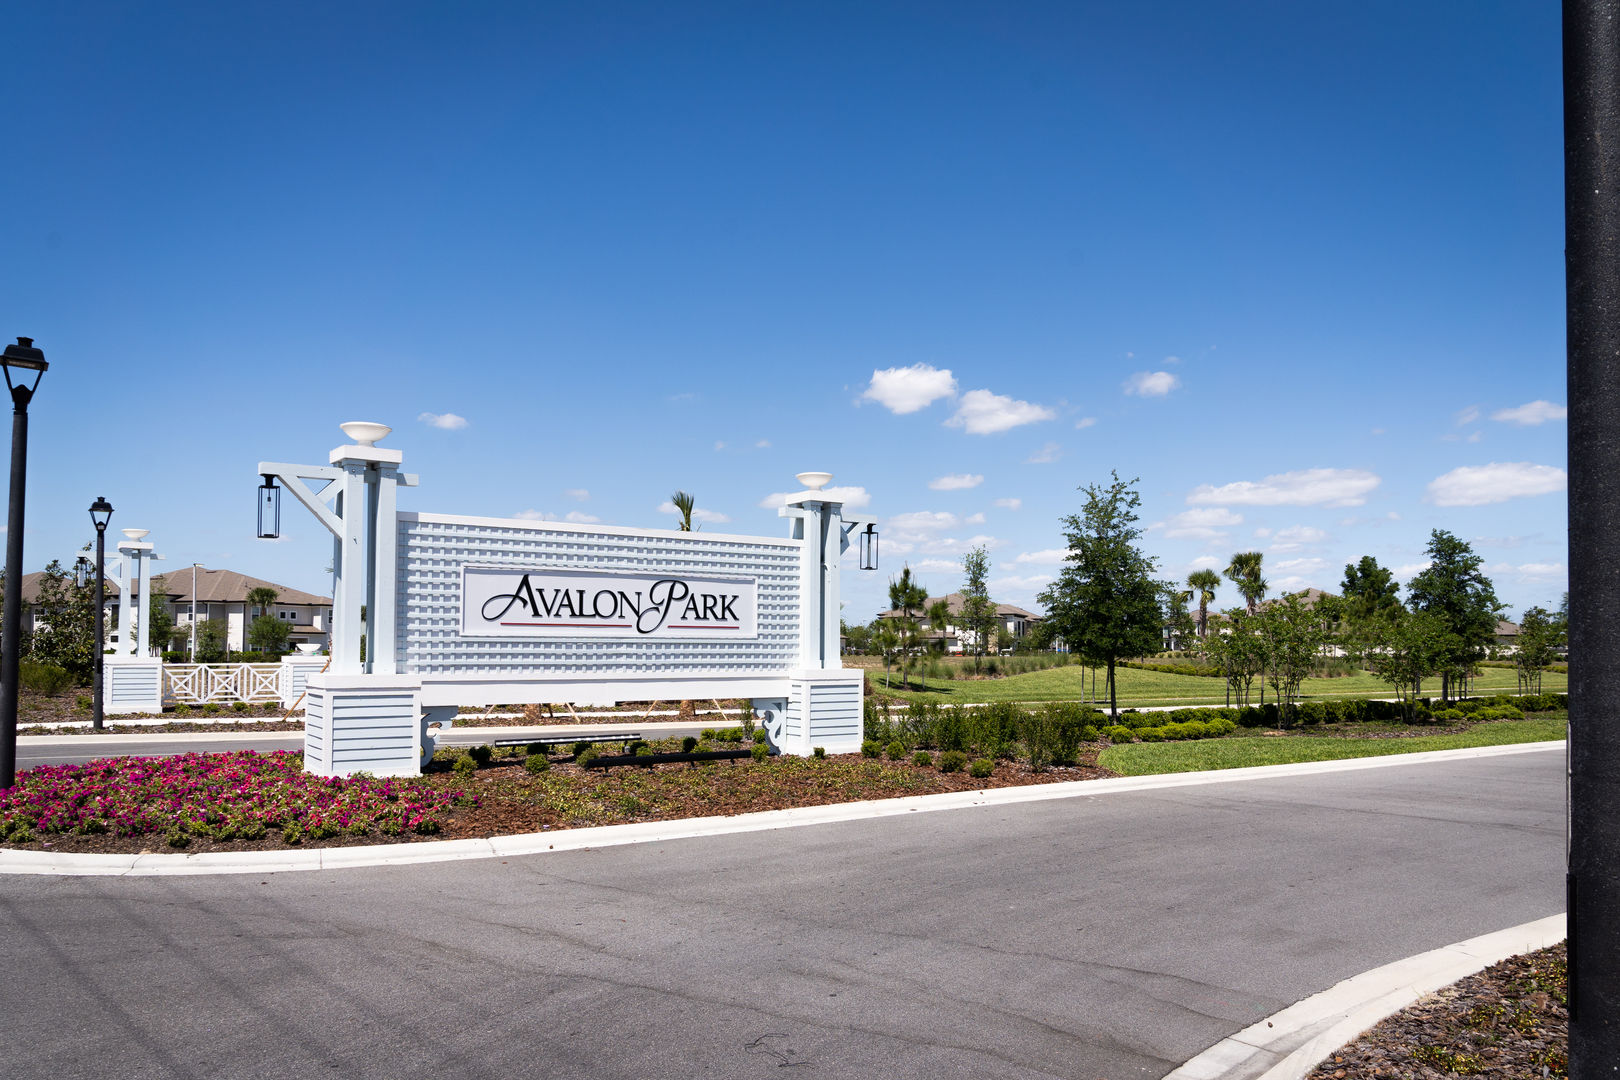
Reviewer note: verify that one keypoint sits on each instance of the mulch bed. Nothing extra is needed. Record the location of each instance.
(511, 801)
(1510, 1020)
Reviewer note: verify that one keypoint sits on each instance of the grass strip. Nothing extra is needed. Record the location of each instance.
(1238, 752)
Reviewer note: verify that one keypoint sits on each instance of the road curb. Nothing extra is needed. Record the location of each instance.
(69, 864)
(1289, 1044)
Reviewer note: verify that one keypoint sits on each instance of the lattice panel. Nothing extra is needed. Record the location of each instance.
(433, 549)
(199, 684)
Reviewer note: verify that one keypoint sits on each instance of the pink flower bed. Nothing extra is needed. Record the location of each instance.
(237, 796)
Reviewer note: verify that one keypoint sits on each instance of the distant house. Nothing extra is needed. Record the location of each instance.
(221, 594)
(956, 639)
(1507, 635)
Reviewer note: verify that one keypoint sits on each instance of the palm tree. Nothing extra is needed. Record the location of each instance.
(1204, 583)
(1244, 572)
(939, 620)
(684, 501)
(906, 596)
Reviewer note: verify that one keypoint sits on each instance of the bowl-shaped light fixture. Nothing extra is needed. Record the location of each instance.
(814, 481)
(136, 534)
(364, 432)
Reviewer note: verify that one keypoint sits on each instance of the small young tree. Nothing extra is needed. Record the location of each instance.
(1403, 651)
(1106, 603)
(886, 639)
(684, 502)
(1179, 621)
(268, 634)
(978, 610)
(907, 596)
(1236, 651)
(1537, 636)
(1290, 635)
(66, 636)
(159, 623)
(1463, 601)
(212, 641)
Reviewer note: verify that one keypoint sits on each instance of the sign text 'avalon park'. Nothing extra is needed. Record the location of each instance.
(530, 603)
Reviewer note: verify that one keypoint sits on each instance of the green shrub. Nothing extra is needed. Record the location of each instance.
(871, 748)
(82, 702)
(535, 748)
(182, 709)
(922, 759)
(952, 761)
(708, 734)
(581, 748)
(820, 753)
(981, 768)
(759, 737)
(480, 754)
(643, 750)
(734, 735)
(636, 746)
(1312, 713)
(896, 750)
(591, 753)
(43, 678)
(240, 706)
(748, 721)
(465, 765)
(1150, 734)
(535, 764)
(689, 744)
(760, 752)
(1117, 733)
(211, 708)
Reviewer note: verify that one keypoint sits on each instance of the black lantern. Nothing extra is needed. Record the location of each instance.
(81, 572)
(869, 548)
(269, 509)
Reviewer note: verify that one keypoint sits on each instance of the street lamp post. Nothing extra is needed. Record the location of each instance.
(24, 356)
(193, 656)
(100, 513)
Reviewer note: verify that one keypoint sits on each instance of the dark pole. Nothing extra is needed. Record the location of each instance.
(1592, 269)
(25, 355)
(101, 612)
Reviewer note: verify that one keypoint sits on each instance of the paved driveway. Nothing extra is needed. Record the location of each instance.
(1097, 937)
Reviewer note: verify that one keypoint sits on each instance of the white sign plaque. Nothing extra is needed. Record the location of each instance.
(530, 603)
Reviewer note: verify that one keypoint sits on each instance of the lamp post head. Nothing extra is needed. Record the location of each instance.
(814, 481)
(136, 534)
(100, 513)
(23, 355)
(364, 432)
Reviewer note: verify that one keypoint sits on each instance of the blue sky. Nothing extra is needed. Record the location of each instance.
(1299, 269)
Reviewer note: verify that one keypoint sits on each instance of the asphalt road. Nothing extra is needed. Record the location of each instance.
(1097, 937)
(75, 749)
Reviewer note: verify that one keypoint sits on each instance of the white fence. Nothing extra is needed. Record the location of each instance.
(199, 684)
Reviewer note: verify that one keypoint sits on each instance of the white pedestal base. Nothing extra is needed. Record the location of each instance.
(823, 708)
(295, 673)
(131, 684)
(363, 723)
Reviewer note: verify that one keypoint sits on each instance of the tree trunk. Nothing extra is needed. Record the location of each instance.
(1113, 692)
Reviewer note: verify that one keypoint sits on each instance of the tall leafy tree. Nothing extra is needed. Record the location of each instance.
(1106, 602)
(1290, 634)
(1370, 591)
(1403, 651)
(1203, 584)
(978, 615)
(159, 623)
(1244, 572)
(66, 634)
(1456, 592)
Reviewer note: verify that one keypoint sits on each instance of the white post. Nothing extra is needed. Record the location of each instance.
(143, 631)
(126, 600)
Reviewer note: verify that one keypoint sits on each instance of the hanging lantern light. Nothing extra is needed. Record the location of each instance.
(81, 572)
(269, 509)
(869, 548)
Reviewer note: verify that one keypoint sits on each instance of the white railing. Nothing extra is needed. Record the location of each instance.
(199, 684)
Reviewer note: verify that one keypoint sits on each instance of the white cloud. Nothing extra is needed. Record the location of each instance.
(1085, 422)
(719, 446)
(1151, 383)
(1305, 487)
(904, 390)
(1210, 524)
(1480, 485)
(1464, 417)
(1297, 536)
(853, 497)
(1530, 573)
(1045, 455)
(1290, 584)
(1207, 562)
(1531, 413)
(924, 521)
(1007, 582)
(583, 519)
(535, 515)
(1297, 566)
(700, 515)
(1049, 557)
(763, 444)
(1172, 359)
(577, 493)
(956, 482)
(974, 519)
(1411, 569)
(982, 413)
(936, 566)
(446, 421)
(1262, 532)
(1477, 436)
(1008, 504)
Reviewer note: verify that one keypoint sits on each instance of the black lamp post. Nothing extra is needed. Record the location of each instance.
(25, 357)
(100, 514)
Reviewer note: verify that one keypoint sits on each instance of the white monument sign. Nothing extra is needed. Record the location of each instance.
(478, 611)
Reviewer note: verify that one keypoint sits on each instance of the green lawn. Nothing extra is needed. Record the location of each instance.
(1138, 687)
(1144, 759)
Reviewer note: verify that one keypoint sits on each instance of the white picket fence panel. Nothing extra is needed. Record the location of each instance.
(199, 684)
